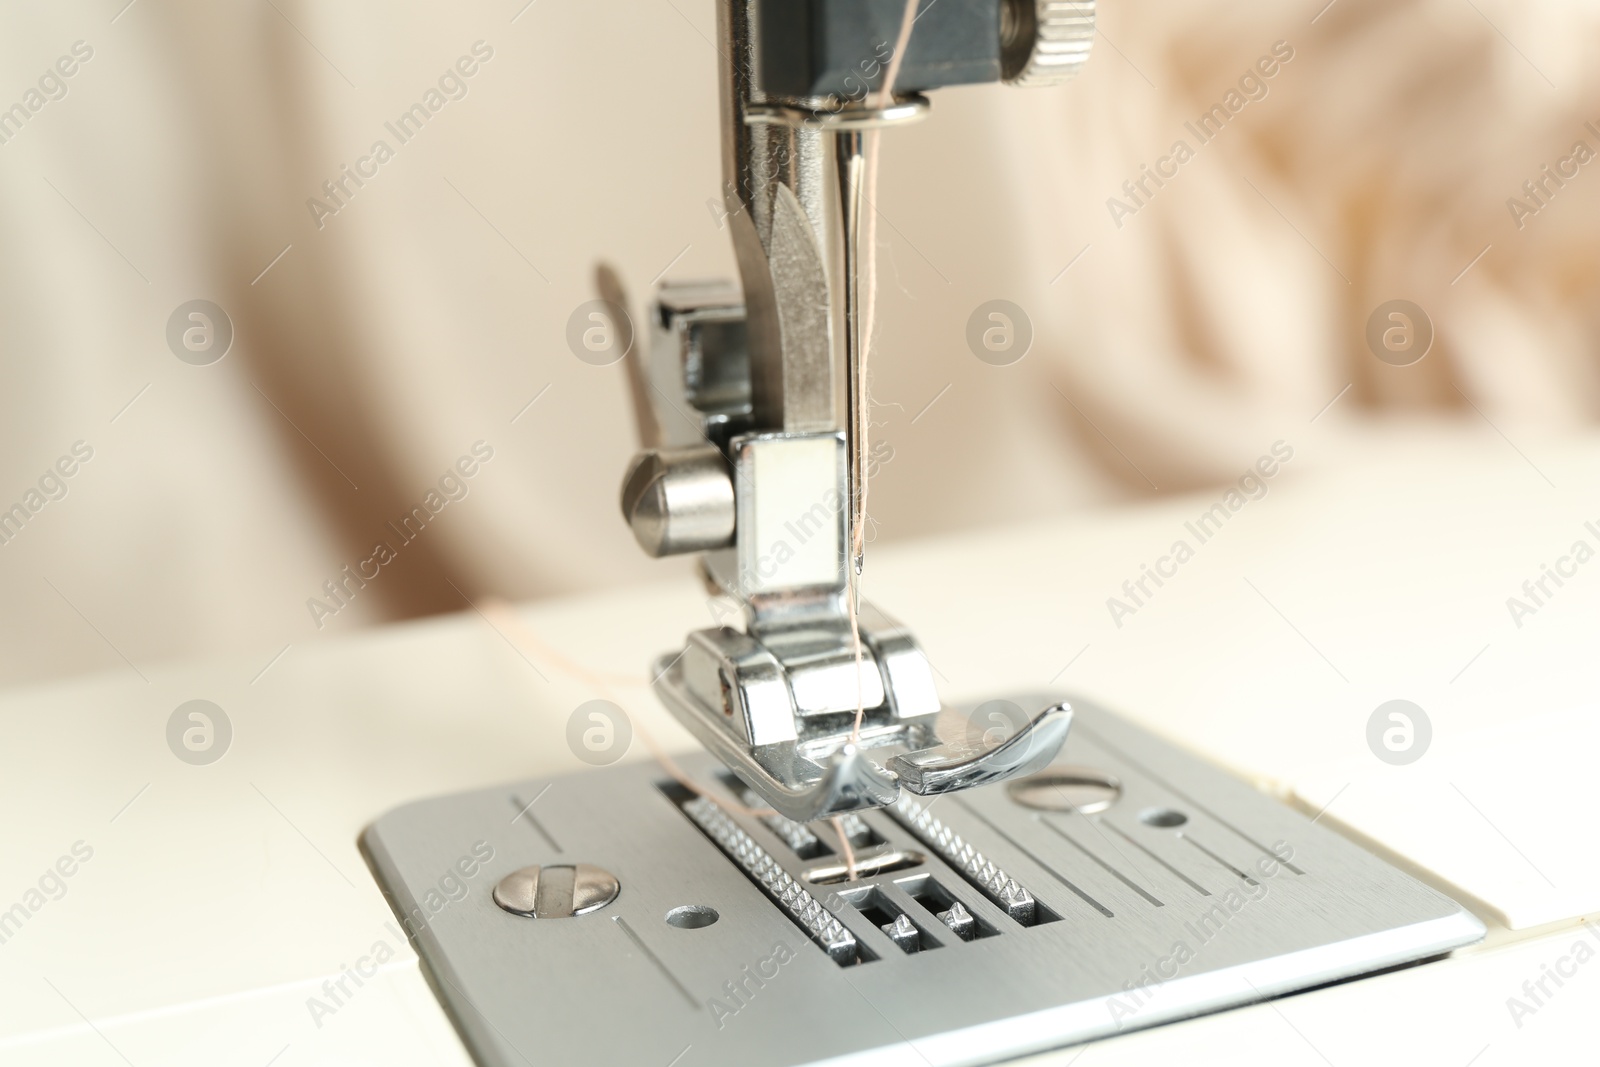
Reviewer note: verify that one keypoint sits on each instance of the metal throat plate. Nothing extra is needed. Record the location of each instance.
(1181, 891)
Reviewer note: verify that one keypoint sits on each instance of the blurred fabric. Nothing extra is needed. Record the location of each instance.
(382, 349)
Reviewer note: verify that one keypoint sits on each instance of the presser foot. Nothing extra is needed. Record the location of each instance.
(823, 767)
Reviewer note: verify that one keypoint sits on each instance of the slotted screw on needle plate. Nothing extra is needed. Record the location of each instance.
(556, 892)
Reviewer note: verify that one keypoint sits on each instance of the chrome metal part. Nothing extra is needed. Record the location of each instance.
(1067, 789)
(795, 785)
(1044, 42)
(789, 894)
(1113, 897)
(777, 701)
(959, 921)
(820, 710)
(558, 892)
(736, 697)
(855, 828)
(798, 836)
(696, 384)
(850, 158)
(960, 764)
(995, 884)
(907, 938)
(775, 194)
(903, 111)
(679, 500)
(866, 865)
(787, 565)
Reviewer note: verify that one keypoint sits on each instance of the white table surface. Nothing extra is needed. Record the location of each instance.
(218, 898)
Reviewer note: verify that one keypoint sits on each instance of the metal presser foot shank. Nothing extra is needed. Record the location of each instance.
(743, 459)
(777, 701)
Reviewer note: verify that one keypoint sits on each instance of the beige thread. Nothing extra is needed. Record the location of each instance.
(869, 301)
(513, 628)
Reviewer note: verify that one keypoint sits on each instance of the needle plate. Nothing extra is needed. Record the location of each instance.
(990, 923)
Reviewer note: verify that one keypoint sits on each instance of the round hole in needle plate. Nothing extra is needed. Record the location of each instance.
(692, 917)
(1165, 818)
(1080, 789)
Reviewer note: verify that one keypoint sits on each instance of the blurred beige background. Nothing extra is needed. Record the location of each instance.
(373, 350)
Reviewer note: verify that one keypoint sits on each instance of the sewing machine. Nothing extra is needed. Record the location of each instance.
(1079, 878)
(296, 856)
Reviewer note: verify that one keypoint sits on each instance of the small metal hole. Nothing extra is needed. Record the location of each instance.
(692, 917)
(1165, 818)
